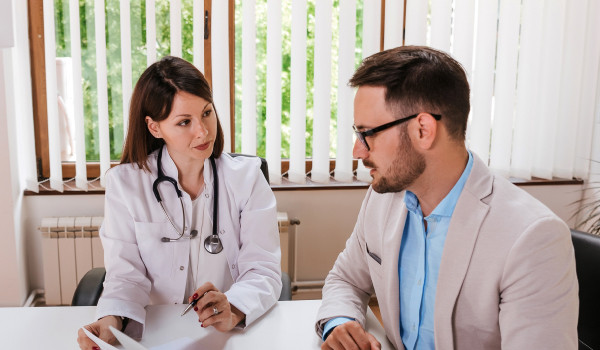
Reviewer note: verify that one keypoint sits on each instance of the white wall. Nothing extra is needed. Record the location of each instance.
(12, 250)
(327, 218)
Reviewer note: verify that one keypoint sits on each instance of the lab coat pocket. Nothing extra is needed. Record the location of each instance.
(156, 255)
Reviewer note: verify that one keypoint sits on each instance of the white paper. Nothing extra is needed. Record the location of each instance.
(101, 343)
(130, 344)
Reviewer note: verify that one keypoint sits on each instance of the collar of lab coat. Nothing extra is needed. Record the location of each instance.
(170, 169)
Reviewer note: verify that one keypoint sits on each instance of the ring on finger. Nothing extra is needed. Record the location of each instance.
(215, 311)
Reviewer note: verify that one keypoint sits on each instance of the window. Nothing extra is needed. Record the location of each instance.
(284, 82)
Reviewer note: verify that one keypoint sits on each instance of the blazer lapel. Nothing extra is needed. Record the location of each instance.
(392, 238)
(462, 235)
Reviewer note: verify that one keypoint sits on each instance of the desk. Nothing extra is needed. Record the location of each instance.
(288, 325)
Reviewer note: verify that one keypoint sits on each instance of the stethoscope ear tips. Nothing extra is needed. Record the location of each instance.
(165, 239)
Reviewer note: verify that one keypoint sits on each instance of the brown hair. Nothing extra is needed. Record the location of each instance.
(419, 79)
(153, 96)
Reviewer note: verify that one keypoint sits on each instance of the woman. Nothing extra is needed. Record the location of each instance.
(158, 247)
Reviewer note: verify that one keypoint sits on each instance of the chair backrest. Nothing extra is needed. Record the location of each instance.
(264, 167)
(89, 288)
(587, 260)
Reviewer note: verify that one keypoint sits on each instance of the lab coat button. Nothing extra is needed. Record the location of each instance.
(206, 195)
(181, 268)
(233, 266)
(222, 232)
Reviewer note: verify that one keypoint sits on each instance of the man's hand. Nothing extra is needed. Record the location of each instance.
(350, 335)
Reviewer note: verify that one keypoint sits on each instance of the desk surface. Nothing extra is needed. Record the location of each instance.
(288, 325)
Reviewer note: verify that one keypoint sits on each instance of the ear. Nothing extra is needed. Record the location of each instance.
(426, 131)
(153, 127)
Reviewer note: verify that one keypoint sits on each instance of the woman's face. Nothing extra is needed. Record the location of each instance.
(190, 129)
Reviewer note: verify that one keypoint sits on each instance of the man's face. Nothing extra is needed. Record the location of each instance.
(394, 162)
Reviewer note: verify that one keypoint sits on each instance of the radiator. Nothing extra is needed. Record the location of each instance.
(71, 247)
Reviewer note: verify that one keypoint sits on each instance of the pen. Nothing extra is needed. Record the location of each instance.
(192, 304)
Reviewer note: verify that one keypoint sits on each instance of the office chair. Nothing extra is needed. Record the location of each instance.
(587, 261)
(90, 287)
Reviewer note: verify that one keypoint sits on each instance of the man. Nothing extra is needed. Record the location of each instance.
(458, 257)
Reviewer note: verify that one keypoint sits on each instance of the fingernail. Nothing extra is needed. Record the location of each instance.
(95, 348)
(195, 308)
(195, 296)
(202, 325)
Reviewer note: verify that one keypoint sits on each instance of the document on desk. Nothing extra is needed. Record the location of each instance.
(130, 344)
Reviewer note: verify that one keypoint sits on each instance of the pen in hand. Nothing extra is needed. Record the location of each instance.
(192, 304)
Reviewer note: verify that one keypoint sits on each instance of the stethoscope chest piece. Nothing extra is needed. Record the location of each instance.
(213, 244)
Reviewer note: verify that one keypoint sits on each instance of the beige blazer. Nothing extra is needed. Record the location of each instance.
(507, 275)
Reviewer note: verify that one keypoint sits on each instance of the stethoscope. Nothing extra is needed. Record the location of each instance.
(212, 243)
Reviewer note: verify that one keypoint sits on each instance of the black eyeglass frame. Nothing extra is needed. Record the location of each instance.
(361, 135)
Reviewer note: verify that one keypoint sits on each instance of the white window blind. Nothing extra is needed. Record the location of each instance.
(532, 66)
(80, 163)
(343, 164)
(298, 93)
(274, 90)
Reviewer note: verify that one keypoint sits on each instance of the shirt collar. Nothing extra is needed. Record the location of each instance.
(447, 205)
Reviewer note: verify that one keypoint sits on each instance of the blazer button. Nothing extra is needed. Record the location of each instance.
(181, 268)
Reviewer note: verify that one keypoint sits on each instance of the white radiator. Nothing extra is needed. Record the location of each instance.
(71, 247)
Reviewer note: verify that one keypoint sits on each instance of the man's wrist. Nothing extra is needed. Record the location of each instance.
(332, 323)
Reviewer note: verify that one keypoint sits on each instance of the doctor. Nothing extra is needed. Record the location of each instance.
(164, 249)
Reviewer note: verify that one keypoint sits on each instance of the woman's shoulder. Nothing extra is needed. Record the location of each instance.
(127, 173)
(239, 163)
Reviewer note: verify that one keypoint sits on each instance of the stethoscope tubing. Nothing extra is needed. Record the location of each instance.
(212, 243)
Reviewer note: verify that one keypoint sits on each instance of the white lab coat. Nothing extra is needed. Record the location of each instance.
(142, 270)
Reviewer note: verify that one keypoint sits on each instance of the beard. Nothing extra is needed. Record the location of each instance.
(404, 169)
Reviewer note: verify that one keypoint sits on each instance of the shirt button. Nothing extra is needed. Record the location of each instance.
(420, 282)
(181, 268)
(206, 195)
(233, 266)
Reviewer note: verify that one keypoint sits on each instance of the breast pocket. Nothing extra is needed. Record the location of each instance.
(374, 260)
(156, 255)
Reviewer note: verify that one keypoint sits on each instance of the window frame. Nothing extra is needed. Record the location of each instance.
(40, 112)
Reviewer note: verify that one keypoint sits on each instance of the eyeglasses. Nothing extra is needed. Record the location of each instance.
(361, 135)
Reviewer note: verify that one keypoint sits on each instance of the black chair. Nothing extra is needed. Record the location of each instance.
(90, 287)
(587, 261)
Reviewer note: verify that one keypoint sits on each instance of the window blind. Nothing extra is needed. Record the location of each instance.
(532, 65)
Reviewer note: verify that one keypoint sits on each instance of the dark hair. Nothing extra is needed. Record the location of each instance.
(419, 79)
(153, 96)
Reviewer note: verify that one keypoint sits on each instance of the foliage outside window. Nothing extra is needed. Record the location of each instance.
(138, 63)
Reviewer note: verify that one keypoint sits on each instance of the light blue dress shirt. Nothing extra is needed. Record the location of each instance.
(420, 254)
(419, 264)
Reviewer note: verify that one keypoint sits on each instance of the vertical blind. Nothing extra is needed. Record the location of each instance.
(532, 66)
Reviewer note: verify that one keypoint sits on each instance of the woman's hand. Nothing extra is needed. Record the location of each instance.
(101, 330)
(214, 309)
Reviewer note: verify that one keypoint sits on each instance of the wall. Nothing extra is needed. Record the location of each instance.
(327, 218)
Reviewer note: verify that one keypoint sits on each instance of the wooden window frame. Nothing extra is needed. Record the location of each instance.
(40, 111)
